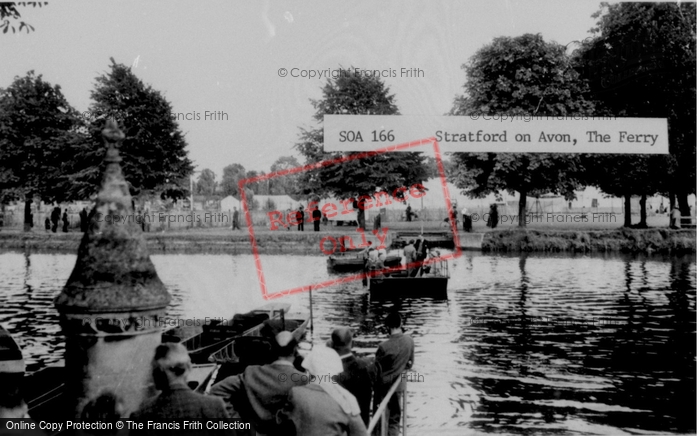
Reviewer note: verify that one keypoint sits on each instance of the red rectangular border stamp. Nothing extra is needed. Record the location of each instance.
(409, 146)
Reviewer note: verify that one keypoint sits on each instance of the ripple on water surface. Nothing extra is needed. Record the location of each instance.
(524, 344)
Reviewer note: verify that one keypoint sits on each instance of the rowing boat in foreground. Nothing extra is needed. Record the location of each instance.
(255, 344)
(400, 284)
(218, 334)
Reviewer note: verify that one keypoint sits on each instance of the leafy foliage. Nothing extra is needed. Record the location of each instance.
(9, 14)
(641, 62)
(154, 155)
(352, 94)
(520, 76)
(206, 183)
(232, 175)
(288, 184)
(37, 125)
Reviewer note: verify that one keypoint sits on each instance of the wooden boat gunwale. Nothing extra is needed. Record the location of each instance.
(298, 333)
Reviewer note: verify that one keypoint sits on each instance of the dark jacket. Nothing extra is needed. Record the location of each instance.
(393, 356)
(180, 403)
(358, 377)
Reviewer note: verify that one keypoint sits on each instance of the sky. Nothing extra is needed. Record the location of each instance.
(226, 56)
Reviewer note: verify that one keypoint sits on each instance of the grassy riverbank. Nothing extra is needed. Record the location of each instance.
(226, 241)
(656, 240)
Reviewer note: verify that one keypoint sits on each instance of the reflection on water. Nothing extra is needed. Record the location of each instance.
(526, 344)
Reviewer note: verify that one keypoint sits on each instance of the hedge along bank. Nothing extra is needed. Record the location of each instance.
(279, 219)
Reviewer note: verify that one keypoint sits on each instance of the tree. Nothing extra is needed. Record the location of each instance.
(355, 95)
(520, 76)
(206, 184)
(288, 184)
(641, 62)
(9, 14)
(255, 187)
(37, 126)
(154, 155)
(232, 175)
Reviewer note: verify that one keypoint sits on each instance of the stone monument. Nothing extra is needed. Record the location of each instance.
(112, 305)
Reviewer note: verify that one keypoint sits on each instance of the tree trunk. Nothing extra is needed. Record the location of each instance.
(642, 212)
(684, 208)
(522, 208)
(28, 222)
(628, 211)
(361, 218)
(671, 205)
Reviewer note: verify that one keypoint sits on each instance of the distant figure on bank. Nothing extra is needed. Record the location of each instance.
(176, 401)
(316, 215)
(105, 408)
(261, 390)
(83, 220)
(47, 224)
(466, 220)
(55, 217)
(236, 226)
(409, 213)
(393, 357)
(300, 219)
(322, 408)
(493, 216)
(377, 222)
(359, 375)
(146, 220)
(142, 218)
(675, 218)
(65, 221)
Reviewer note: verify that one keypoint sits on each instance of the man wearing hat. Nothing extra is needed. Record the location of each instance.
(261, 390)
(323, 407)
(171, 366)
(359, 375)
(393, 357)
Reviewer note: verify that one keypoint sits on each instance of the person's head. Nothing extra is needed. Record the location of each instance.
(12, 403)
(322, 361)
(171, 365)
(393, 321)
(341, 341)
(286, 345)
(107, 407)
(411, 242)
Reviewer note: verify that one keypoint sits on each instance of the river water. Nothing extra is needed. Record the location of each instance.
(526, 344)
